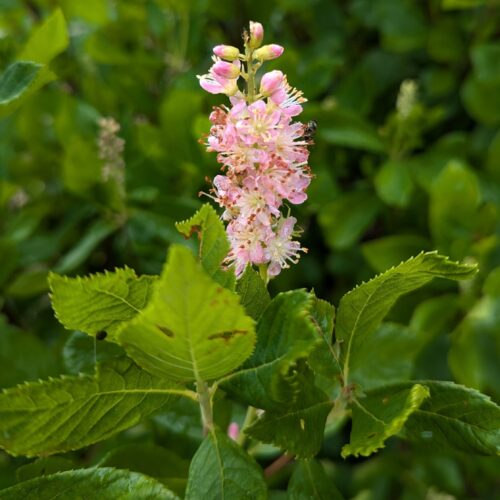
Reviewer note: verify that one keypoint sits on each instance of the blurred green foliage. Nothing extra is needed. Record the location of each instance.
(406, 95)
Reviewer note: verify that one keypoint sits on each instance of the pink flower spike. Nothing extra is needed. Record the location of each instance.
(233, 431)
(271, 82)
(226, 70)
(256, 34)
(268, 52)
(227, 52)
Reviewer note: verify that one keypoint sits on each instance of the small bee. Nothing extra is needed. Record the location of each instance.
(101, 335)
(310, 130)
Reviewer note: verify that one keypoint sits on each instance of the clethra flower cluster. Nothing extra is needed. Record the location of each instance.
(263, 153)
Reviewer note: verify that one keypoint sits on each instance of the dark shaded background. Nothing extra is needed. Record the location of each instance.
(387, 184)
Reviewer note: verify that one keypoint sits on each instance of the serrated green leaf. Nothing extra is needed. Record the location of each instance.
(457, 418)
(286, 336)
(222, 469)
(48, 40)
(361, 310)
(20, 80)
(299, 428)
(212, 241)
(87, 483)
(100, 302)
(309, 481)
(253, 293)
(380, 415)
(69, 413)
(193, 328)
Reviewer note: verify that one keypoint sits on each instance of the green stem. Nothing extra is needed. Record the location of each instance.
(251, 70)
(249, 418)
(263, 273)
(205, 402)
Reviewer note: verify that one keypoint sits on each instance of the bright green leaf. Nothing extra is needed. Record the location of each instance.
(380, 415)
(213, 243)
(20, 80)
(222, 469)
(85, 483)
(253, 293)
(69, 413)
(362, 309)
(48, 40)
(99, 302)
(193, 328)
(309, 481)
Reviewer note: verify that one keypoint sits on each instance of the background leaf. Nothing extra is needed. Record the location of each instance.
(20, 80)
(48, 40)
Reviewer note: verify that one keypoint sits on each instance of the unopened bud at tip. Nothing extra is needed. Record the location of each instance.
(271, 82)
(268, 52)
(256, 34)
(227, 52)
(226, 70)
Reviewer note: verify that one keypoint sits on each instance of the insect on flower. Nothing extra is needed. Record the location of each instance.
(263, 153)
(310, 130)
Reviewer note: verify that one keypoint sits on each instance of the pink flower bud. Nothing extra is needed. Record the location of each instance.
(256, 35)
(233, 431)
(227, 52)
(268, 52)
(271, 82)
(226, 70)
